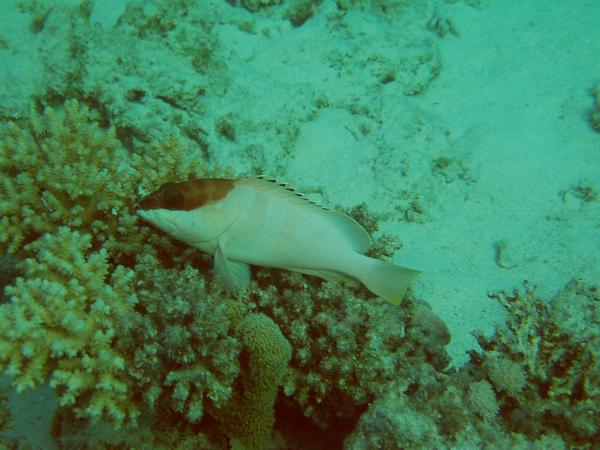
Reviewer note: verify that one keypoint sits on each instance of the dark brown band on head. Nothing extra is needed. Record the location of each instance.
(187, 195)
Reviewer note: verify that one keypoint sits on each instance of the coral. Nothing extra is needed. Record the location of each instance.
(434, 412)
(505, 374)
(439, 411)
(225, 339)
(249, 417)
(551, 358)
(8, 273)
(255, 5)
(180, 340)
(346, 348)
(549, 442)
(392, 423)
(59, 326)
(482, 399)
(534, 385)
(165, 433)
(299, 11)
(6, 420)
(67, 221)
(61, 168)
(129, 326)
(50, 178)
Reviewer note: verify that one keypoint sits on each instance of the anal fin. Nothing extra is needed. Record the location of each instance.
(329, 275)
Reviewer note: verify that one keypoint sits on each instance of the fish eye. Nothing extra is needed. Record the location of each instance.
(172, 199)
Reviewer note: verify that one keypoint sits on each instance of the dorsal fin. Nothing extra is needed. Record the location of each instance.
(357, 236)
(291, 190)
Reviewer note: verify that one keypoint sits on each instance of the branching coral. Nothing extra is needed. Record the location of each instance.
(180, 340)
(66, 221)
(505, 374)
(347, 348)
(60, 326)
(482, 399)
(115, 333)
(392, 423)
(61, 168)
(552, 354)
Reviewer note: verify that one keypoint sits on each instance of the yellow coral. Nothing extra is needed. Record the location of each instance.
(60, 324)
(61, 168)
(248, 418)
(67, 190)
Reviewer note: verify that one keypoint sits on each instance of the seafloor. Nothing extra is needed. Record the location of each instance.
(462, 134)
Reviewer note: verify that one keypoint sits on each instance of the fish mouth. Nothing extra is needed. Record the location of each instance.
(162, 223)
(143, 214)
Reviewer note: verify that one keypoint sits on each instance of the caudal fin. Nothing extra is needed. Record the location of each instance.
(388, 280)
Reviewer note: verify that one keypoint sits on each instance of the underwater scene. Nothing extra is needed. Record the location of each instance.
(299, 224)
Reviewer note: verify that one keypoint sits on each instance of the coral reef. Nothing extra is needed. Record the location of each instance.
(43, 164)
(545, 365)
(482, 398)
(6, 421)
(68, 227)
(392, 423)
(60, 326)
(180, 340)
(249, 415)
(61, 168)
(505, 374)
(346, 348)
(534, 385)
(130, 328)
(114, 333)
(141, 344)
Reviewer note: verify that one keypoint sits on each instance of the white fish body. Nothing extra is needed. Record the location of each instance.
(259, 222)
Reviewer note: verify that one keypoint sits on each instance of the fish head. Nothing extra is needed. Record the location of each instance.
(185, 210)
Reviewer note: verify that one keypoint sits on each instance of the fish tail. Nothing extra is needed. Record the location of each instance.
(389, 281)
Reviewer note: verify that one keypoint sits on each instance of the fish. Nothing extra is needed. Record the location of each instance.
(257, 221)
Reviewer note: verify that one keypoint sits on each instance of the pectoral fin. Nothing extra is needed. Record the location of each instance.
(234, 274)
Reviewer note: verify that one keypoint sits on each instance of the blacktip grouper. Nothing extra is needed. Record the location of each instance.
(255, 221)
